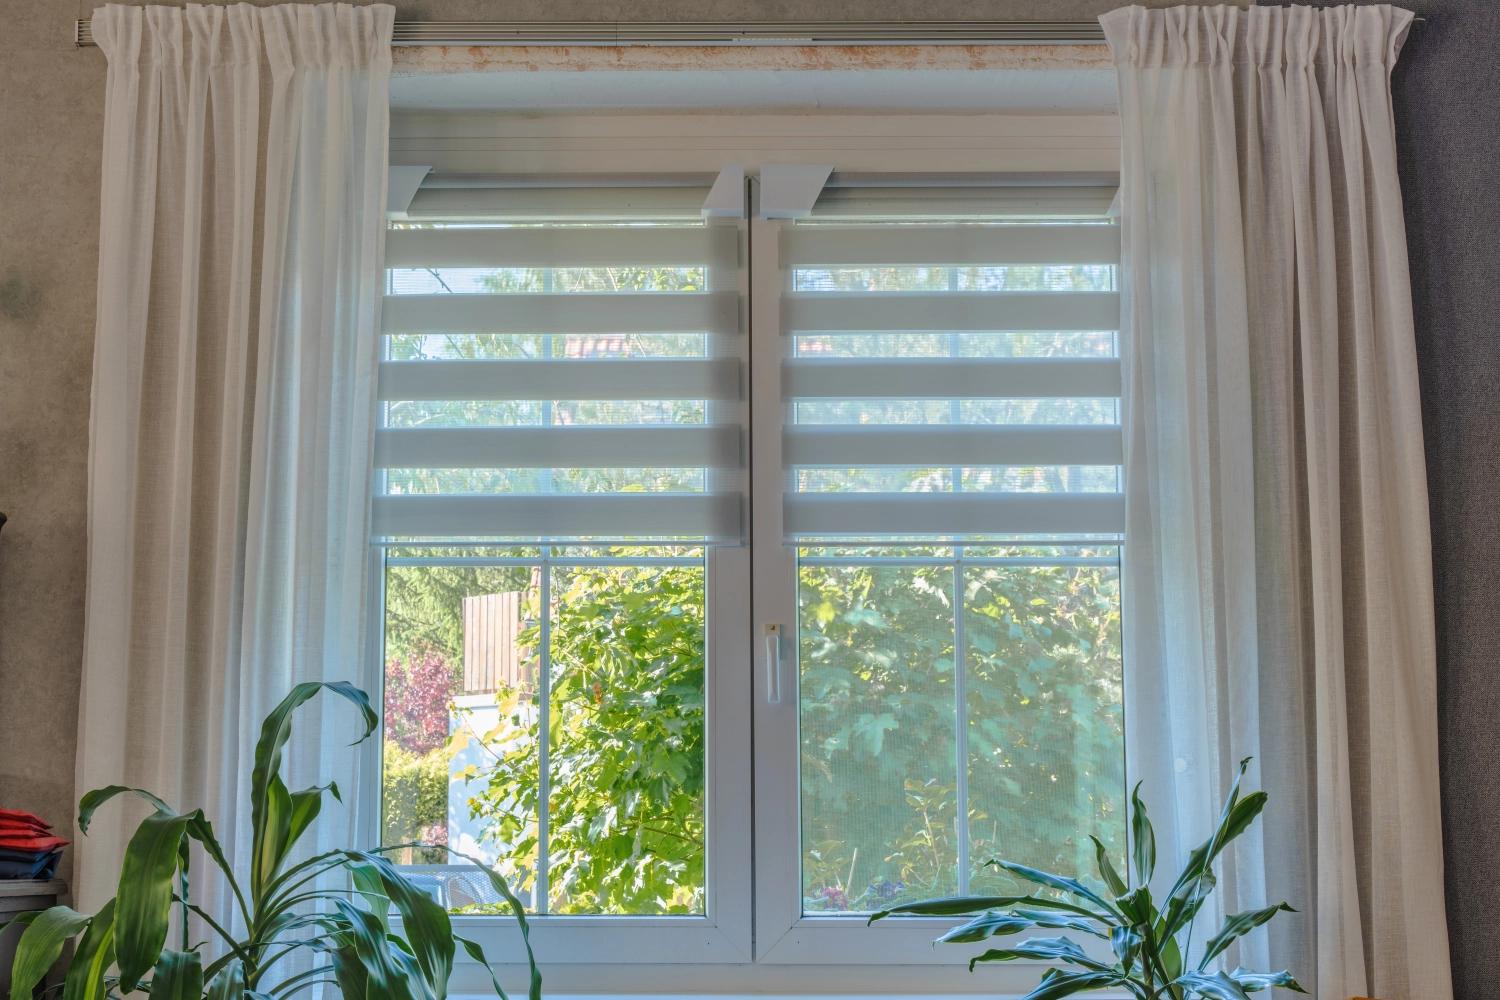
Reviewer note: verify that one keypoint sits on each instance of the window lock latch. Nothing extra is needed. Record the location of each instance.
(773, 664)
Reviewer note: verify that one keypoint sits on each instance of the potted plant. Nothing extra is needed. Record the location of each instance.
(287, 906)
(1148, 943)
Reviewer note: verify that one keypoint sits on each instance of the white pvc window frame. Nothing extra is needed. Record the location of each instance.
(754, 937)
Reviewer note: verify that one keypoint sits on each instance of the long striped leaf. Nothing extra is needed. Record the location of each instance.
(423, 920)
(534, 988)
(1057, 949)
(1051, 881)
(1066, 984)
(229, 984)
(476, 952)
(178, 976)
(1142, 840)
(957, 906)
(274, 733)
(40, 945)
(92, 958)
(1255, 982)
(375, 955)
(1211, 987)
(1236, 926)
(143, 902)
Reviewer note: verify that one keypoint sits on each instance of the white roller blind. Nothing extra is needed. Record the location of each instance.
(950, 378)
(566, 379)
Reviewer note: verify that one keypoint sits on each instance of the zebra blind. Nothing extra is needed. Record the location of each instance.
(954, 378)
(557, 381)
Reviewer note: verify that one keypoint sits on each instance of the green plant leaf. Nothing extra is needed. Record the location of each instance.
(1237, 925)
(91, 802)
(1059, 882)
(477, 954)
(305, 806)
(1216, 986)
(40, 945)
(1142, 839)
(1107, 870)
(1126, 942)
(267, 819)
(229, 984)
(1058, 949)
(986, 925)
(534, 988)
(956, 906)
(370, 886)
(178, 976)
(92, 958)
(1066, 984)
(143, 901)
(1255, 982)
(372, 948)
(423, 921)
(198, 828)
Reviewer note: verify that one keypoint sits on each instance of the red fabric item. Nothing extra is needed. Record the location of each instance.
(10, 825)
(16, 815)
(31, 843)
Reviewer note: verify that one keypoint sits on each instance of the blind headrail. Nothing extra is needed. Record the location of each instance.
(409, 32)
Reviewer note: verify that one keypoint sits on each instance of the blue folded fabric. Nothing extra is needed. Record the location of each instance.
(29, 866)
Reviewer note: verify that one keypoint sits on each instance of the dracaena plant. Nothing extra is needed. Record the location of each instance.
(1148, 941)
(335, 906)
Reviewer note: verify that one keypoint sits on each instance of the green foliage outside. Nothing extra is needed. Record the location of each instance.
(626, 742)
(879, 743)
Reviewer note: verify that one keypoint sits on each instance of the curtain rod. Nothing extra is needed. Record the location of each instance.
(728, 33)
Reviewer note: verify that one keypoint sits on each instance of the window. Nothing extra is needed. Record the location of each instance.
(943, 392)
(742, 578)
(559, 457)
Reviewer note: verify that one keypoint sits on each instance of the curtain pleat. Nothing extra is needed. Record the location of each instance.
(242, 219)
(1277, 572)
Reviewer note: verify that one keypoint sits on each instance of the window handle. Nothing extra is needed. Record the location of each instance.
(773, 664)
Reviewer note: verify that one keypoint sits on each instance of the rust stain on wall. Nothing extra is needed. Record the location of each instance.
(586, 58)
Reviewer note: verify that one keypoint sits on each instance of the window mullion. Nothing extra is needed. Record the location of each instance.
(541, 893)
(961, 733)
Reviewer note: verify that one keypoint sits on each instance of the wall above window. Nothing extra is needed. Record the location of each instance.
(993, 78)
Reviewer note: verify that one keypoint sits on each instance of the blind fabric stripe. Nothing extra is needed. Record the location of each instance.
(923, 432)
(607, 312)
(614, 415)
(633, 515)
(554, 447)
(545, 246)
(926, 245)
(955, 378)
(571, 379)
(957, 514)
(952, 446)
(815, 312)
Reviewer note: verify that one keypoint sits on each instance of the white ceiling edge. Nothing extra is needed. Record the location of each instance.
(1072, 90)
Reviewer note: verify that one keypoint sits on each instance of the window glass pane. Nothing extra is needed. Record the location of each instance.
(544, 413)
(502, 280)
(627, 756)
(603, 648)
(437, 482)
(1025, 742)
(877, 734)
(940, 344)
(1053, 410)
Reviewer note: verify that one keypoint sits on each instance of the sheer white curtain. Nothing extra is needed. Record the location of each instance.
(1278, 596)
(242, 221)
